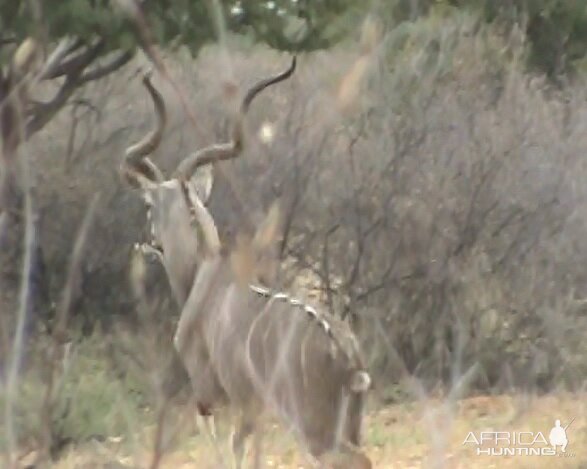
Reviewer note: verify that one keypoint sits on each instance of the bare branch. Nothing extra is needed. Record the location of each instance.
(76, 64)
(119, 60)
(65, 47)
(45, 112)
(72, 68)
(7, 41)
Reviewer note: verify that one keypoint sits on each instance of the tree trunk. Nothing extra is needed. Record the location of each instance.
(12, 226)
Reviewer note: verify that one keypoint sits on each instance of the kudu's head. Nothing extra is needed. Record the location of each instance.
(173, 237)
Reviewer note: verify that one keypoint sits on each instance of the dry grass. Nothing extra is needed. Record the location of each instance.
(397, 436)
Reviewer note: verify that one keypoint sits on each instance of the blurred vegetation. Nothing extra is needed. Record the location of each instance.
(556, 30)
(283, 24)
(443, 214)
(91, 400)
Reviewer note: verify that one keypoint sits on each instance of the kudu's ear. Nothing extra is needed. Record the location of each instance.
(203, 181)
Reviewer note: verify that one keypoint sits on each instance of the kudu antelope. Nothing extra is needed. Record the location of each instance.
(263, 350)
(172, 237)
(270, 351)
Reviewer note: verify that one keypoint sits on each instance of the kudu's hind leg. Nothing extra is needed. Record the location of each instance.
(207, 426)
(206, 419)
(258, 449)
(244, 429)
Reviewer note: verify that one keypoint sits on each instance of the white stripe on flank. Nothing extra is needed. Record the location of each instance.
(266, 292)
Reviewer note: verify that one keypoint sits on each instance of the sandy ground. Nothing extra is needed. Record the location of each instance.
(414, 435)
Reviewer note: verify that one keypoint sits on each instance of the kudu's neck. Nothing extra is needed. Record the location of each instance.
(177, 237)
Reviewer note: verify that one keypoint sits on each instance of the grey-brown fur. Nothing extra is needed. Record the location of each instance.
(272, 352)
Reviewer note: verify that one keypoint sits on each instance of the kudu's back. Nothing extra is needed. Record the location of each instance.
(272, 351)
